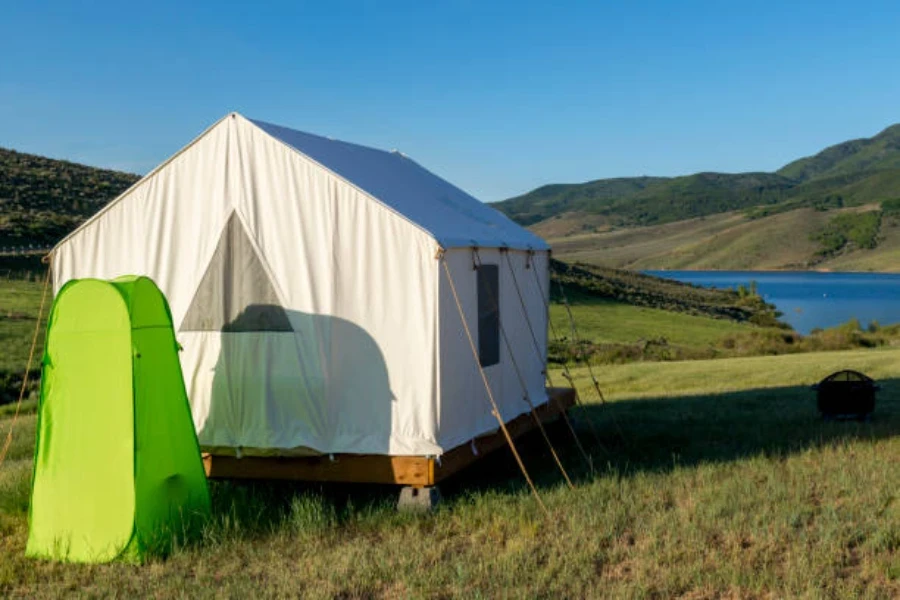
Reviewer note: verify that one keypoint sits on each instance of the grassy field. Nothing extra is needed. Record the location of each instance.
(19, 302)
(614, 322)
(714, 479)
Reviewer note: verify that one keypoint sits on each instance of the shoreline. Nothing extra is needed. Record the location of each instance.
(804, 271)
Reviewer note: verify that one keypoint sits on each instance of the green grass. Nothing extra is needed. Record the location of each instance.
(674, 379)
(615, 322)
(19, 303)
(715, 479)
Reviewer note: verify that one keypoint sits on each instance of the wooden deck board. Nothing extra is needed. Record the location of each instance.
(376, 468)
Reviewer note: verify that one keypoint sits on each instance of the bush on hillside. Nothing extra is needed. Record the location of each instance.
(580, 280)
(848, 231)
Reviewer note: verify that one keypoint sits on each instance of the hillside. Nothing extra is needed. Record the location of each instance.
(648, 200)
(838, 209)
(877, 153)
(588, 283)
(42, 199)
(835, 210)
(797, 239)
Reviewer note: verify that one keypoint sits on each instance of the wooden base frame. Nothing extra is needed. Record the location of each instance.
(416, 471)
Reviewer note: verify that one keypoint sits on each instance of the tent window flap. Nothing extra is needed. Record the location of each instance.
(488, 315)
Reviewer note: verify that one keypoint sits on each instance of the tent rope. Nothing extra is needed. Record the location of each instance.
(34, 338)
(584, 357)
(496, 304)
(537, 348)
(487, 386)
(567, 374)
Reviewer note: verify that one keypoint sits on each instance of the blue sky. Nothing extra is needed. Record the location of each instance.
(498, 97)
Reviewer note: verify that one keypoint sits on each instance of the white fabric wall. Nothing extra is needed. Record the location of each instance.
(359, 284)
(377, 362)
(465, 410)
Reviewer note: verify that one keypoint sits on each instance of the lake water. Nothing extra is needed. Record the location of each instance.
(809, 300)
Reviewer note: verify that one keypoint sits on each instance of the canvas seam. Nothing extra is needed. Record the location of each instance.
(134, 449)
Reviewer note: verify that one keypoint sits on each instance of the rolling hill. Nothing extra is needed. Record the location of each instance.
(835, 210)
(838, 209)
(42, 199)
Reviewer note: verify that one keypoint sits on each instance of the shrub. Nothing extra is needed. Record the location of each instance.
(853, 230)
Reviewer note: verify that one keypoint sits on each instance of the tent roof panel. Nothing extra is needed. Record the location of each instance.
(449, 214)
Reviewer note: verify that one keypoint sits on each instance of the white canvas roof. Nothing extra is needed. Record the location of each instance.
(450, 215)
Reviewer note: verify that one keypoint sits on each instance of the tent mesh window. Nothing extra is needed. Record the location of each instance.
(488, 315)
(235, 294)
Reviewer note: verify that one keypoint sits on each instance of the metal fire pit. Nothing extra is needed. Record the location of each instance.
(846, 395)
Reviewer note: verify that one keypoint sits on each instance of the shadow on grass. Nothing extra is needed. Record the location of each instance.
(657, 434)
(646, 435)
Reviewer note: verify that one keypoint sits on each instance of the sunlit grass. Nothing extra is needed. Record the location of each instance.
(714, 478)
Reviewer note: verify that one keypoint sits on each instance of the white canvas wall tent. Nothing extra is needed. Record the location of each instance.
(305, 278)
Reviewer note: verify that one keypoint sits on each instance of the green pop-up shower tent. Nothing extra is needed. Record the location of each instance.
(117, 470)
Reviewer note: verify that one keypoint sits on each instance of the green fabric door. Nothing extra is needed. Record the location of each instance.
(82, 502)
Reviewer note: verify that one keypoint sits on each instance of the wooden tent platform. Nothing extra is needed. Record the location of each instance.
(416, 471)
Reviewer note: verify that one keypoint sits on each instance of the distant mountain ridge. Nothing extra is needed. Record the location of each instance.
(876, 153)
(851, 173)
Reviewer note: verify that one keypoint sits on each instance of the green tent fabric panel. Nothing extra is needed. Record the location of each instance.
(118, 471)
(146, 304)
(86, 389)
(170, 483)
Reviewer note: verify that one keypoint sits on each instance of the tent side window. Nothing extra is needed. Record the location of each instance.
(488, 315)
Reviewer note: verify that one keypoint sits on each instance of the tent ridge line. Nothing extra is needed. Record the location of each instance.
(371, 196)
(343, 179)
(133, 187)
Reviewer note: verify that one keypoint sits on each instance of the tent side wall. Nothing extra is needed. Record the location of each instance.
(465, 408)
